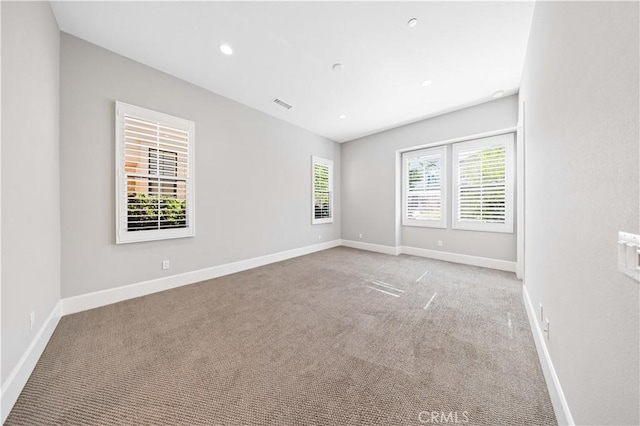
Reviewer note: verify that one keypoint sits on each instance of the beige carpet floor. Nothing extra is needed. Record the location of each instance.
(339, 337)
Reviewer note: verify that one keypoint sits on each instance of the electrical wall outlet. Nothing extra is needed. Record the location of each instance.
(541, 312)
(439, 243)
(546, 325)
(319, 236)
(360, 236)
(32, 320)
(165, 264)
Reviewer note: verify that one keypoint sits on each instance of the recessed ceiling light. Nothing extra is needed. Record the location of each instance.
(412, 22)
(337, 67)
(342, 116)
(498, 94)
(226, 49)
(427, 83)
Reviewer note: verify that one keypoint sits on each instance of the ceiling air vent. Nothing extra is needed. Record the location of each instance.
(282, 103)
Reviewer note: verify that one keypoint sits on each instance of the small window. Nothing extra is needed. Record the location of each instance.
(154, 169)
(424, 198)
(322, 188)
(483, 189)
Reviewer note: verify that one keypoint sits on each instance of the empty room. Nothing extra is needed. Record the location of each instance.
(320, 213)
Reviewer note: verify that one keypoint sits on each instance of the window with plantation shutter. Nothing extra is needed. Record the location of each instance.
(424, 197)
(154, 173)
(483, 187)
(322, 188)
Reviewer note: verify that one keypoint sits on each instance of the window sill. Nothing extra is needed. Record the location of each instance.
(499, 229)
(321, 221)
(420, 224)
(142, 236)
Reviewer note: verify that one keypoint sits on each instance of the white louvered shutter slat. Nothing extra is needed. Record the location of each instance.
(482, 181)
(423, 187)
(322, 187)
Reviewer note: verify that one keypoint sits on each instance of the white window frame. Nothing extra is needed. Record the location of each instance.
(329, 164)
(406, 157)
(122, 234)
(508, 141)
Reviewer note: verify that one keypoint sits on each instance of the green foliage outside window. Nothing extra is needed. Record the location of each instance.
(155, 212)
(492, 169)
(482, 185)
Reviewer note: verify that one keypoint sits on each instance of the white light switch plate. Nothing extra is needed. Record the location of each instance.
(629, 254)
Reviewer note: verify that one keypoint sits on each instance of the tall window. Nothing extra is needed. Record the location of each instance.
(424, 197)
(483, 187)
(154, 169)
(322, 187)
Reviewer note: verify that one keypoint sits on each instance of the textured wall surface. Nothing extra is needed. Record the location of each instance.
(369, 183)
(580, 90)
(252, 175)
(30, 173)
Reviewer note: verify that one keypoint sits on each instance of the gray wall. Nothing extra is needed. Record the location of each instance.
(253, 175)
(369, 183)
(580, 87)
(30, 173)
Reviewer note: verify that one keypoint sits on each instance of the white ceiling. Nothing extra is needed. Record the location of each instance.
(469, 50)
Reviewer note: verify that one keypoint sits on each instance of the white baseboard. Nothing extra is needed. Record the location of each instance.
(18, 377)
(96, 299)
(378, 248)
(485, 262)
(560, 405)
